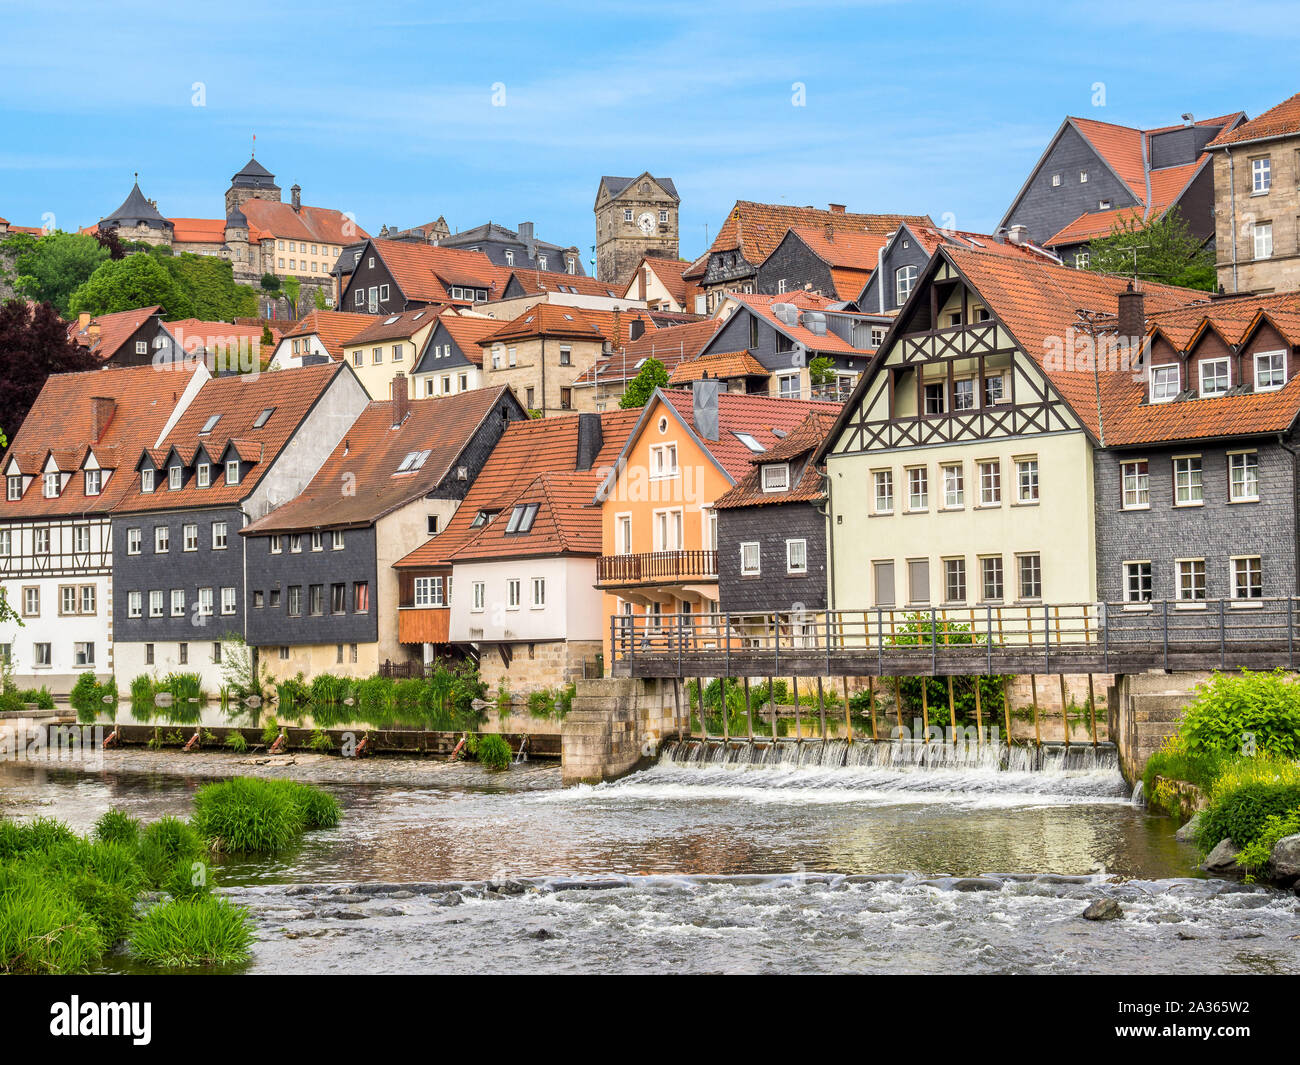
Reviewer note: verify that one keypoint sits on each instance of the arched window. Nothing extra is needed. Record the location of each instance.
(904, 279)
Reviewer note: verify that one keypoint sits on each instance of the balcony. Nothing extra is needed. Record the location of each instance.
(656, 568)
(419, 624)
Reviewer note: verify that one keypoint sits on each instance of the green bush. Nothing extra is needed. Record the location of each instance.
(1242, 813)
(236, 742)
(494, 752)
(117, 826)
(1228, 707)
(1255, 855)
(88, 694)
(246, 815)
(193, 932)
(167, 845)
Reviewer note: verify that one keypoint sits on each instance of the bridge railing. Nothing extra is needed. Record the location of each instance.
(1206, 634)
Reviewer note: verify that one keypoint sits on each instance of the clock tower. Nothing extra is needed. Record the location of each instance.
(634, 217)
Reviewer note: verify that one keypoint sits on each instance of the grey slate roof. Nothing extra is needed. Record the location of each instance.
(618, 184)
(254, 175)
(136, 210)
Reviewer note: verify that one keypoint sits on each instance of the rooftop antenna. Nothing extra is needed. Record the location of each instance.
(254, 146)
(1133, 249)
(1090, 319)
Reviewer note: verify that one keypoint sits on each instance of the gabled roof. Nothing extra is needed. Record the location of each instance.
(468, 331)
(755, 229)
(1283, 120)
(615, 185)
(1233, 318)
(332, 328)
(534, 281)
(239, 400)
(529, 451)
(719, 364)
(669, 345)
(61, 421)
(321, 224)
(371, 452)
(668, 271)
(762, 305)
(557, 320)
(215, 334)
(802, 443)
(395, 326)
(114, 330)
(424, 272)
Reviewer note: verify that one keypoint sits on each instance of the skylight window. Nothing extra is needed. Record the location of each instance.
(210, 424)
(390, 321)
(413, 461)
(263, 418)
(521, 518)
(482, 518)
(749, 442)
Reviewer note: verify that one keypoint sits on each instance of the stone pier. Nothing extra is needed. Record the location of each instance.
(615, 724)
(1144, 709)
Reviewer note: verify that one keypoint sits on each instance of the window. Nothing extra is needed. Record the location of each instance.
(1136, 481)
(42, 536)
(219, 531)
(787, 386)
(67, 600)
(31, 602)
(1263, 232)
(81, 539)
(991, 578)
(918, 488)
(1027, 480)
(1191, 580)
(480, 596)
(1270, 370)
(263, 418)
(990, 484)
(776, 477)
(1137, 582)
(134, 604)
(1031, 576)
(918, 580)
(1056, 181)
(1261, 176)
(52, 480)
(41, 655)
(14, 486)
(627, 214)
(904, 279)
(338, 598)
(148, 654)
(277, 544)
(83, 655)
(284, 653)
(1164, 383)
(883, 577)
(1243, 477)
(431, 525)
(397, 353)
(336, 540)
(566, 399)
(884, 482)
(295, 600)
(317, 542)
(663, 461)
(227, 600)
(1083, 177)
(232, 471)
(750, 559)
(316, 599)
(161, 539)
(183, 653)
(963, 394)
(361, 597)
(94, 479)
(566, 356)
(210, 424)
(1187, 481)
(178, 603)
(189, 537)
(132, 541)
(295, 543)
(174, 476)
(1247, 578)
(539, 592)
(203, 475)
(954, 487)
(521, 518)
(796, 556)
(428, 591)
(512, 593)
(156, 603)
(205, 602)
(146, 480)
(934, 398)
(216, 653)
(1215, 377)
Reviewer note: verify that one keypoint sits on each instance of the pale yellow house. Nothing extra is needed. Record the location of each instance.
(391, 345)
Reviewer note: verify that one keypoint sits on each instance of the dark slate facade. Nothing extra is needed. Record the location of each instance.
(773, 589)
(271, 576)
(746, 331)
(903, 251)
(516, 249)
(801, 268)
(1217, 531)
(439, 337)
(187, 571)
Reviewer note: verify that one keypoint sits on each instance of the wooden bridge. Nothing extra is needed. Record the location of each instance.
(1042, 638)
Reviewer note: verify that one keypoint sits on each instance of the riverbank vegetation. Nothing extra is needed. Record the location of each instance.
(1238, 744)
(68, 901)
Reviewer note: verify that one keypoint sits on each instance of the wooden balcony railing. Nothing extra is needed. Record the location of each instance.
(656, 567)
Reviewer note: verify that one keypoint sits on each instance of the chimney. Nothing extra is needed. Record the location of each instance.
(401, 401)
(297, 197)
(837, 208)
(590, 440)
(83, 321)
(1018, 235)
(93, 331)
(830, 232)
(1132, 315)
(102, 410)
(704, 407)
(642, 275)
(636, 330)
(526, 232)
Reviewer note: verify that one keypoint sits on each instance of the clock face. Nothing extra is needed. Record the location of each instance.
(646, 223)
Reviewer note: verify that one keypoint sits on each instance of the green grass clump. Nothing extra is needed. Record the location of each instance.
(44, 928)
(166, 846)
(116, 826)
(193, 932)
(236, 742)
(318, 809)
(247, 815)
(494, 752)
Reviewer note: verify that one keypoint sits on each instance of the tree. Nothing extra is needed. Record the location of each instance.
(292, 290)
(53, 267)
(124, 284)
(270, 283)
(318, 298)
(1162, 250)
(209, 283)
(108, 240)
(819, 370)
(642, 386)
(33, 344)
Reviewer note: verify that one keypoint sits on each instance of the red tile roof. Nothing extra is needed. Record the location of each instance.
(1282, 120)
(332, 328)
(802, 442)
(528, 451)
(670, 346)
(557, 320)
(669, 272)
(113, 330)
(238, 399)
(395, 326)
(761, 305)
(321, 224)
(371, 451)
(468, 331)
(719, 364)
(62, 420)
(425, 272)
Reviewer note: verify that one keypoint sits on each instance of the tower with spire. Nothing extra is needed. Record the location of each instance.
(254, 182)
(138, 219)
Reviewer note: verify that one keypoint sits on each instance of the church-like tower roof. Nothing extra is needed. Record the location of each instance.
(136, 210)
(254, 175)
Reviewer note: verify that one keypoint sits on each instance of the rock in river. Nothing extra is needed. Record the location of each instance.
(1103, 910)
(1284, 863)
(1223, 859)
(1187, 834)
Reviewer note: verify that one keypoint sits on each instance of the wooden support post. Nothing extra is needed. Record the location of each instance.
(925, 708)
(771, 702)
(1065, 713)
(979, 717)
(952, 710)
(699, 690)
(848, 716)
(1033, 693)
(726, 716)
(1006, 707)
(749, 714)
(821, 707)
(1092, 713)
(677, 706)
(798, 716)
(898, 705)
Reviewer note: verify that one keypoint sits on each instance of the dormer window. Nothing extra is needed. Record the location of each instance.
(232, 471)
(521, 518)
(1270, 370)
(776, 477)
(1164, 383)
(1216, 377)
(14, 487)
(173, 478)
(94, 480)
(210, 424)
(52, 485)
(146, 480)
(203, 475)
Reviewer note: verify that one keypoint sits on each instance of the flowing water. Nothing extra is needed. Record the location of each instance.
(795, 859)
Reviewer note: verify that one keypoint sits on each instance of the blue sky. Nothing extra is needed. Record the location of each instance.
(385, 108)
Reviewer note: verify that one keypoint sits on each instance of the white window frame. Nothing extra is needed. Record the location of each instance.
(990, 486)
(751, 558)
(1261, 175)
(1270, 355)
(1028, 490)
(883, 479)
(1195, 479)
(539, 594)
(1141, 485)
(796, 557)
(1159, 373)
(954, 487)
(781, 482)
(1262, 238)
(1222, 362)
(1248, 462)
(663, 461)
(913, 481)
